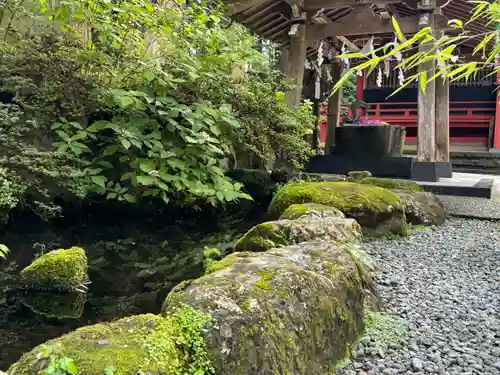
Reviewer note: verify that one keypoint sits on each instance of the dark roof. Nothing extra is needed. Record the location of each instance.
(271, 19)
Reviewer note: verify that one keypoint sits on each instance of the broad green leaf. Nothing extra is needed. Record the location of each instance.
(105, 164)
(147, 165)
(98, 126)
(99, 180)
(130, 198)
(125, 143)
(125, 101)
(146, 180)
(63, 135)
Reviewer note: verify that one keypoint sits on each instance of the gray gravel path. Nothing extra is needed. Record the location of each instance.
(445, 283)
(471, 206)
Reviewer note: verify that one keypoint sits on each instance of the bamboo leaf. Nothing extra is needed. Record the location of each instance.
(483, 43)
(478, 11)
(423, 81)
(456, 24)
(341, 81)
(408, 81)
(397, 29)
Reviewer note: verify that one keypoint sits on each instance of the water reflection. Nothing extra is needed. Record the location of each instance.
(55, 305)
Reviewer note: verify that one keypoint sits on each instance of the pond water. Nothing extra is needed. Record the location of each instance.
(132, 267)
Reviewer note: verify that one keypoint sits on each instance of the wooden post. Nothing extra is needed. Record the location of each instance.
(496, 126)
(333, 114)
(426, 151)
(296, 65)
(442, 120)
(282, 63)
(360, 87)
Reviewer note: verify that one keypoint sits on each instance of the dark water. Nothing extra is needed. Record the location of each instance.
(134, 261)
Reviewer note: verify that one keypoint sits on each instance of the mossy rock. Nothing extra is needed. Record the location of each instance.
(302, 303)
(63, 269)
(309, 227)
(296, 211)
(422, 208)
(148, 343)
(358, 175)
(379, 211)
(389, 183)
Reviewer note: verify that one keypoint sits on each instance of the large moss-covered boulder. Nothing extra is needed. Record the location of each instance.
(292, 310)
(284, 232)
(148, 344)
(379, 211)
(63, 269)
(422, 208)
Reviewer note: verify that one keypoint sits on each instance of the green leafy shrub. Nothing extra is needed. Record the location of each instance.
(132, 100)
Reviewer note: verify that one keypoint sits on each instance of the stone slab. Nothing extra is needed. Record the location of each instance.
(462, 184)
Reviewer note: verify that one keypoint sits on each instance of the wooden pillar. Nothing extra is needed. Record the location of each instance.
(442, 120)
(296, 64)
(426, 150)
(333, 114)
(282, 63)
(496, 127)
(360, 87)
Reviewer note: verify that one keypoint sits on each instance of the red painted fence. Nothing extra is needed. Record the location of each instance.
(468, 115)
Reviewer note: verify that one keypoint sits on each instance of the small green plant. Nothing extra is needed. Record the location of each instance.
(210, 257)
(383, 329)
(56, 365)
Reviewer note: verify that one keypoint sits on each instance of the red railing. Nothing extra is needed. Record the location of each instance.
(475, 115)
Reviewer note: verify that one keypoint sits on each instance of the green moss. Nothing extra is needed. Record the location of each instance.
(295, 211)
(226, 262)
(362, 259)
(218, 265)
(173, 345)
(261, 237)
(346, 196)
(265, 280)
(383, 329)
(59, 269)
(389, 183)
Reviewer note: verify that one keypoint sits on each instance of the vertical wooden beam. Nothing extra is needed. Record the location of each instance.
(333, 114)
(496, 127)
(442, 120)
(360, 87)
(426, 150)
(296, 64)
(282, 63)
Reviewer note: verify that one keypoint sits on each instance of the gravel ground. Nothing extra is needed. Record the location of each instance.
(445, 283)
(472, 207)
